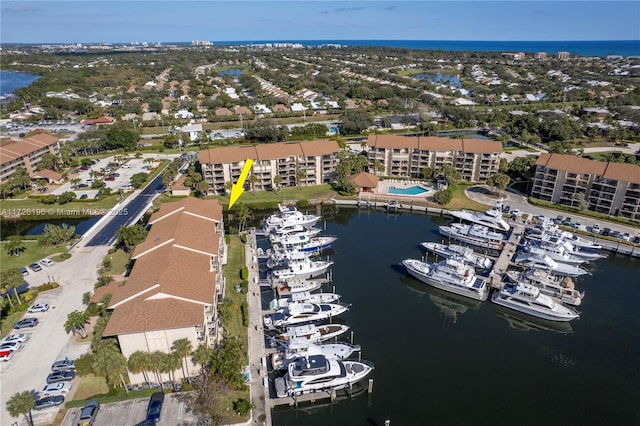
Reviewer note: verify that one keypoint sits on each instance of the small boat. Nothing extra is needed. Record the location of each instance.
(303, 296)
(311, 332)
(476, 235)
(491, 218)
(541, 261)
(529, 300)
(300, 347)
(466, 253)
(299, 313)
(292, 286)
(451, 275)
(316, 373)
(557, 253)
(278, 237)
(561, 288)
(306, 243)
(303, 268)
(289, 216)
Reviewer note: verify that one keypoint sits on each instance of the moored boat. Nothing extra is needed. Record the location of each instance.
(491, 218)
(477, 235)
(466, 253)
(299, 313)
(529, 300)
(561, 288)
(289, 216)
(300, 347)
(541, 261)
(311, 332)
(303, 296)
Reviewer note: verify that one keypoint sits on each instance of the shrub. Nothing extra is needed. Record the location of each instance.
(48, 199)
(65, 256)
(83, 364)
(227, 239)
(93, 309)
(242, 406)
(48, 286)
(302, 203)
(245, 314)
(66, 197)
(244, 285)
(244, 273)
(243, 238)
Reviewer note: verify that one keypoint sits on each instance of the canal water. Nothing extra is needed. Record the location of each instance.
(443, 360)
(11, 81)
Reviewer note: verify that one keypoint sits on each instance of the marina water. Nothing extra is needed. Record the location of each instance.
(441, 359)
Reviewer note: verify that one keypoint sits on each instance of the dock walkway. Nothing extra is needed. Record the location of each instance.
(506, 255)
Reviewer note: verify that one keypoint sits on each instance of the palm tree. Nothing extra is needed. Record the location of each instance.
(157, 359)
(183, 348)
(21, 403)
(202, 355)
(109, 362)
(15, 246)
(172, 362)
(140, 362)
(228, 186)
(75, 182)
(243, 213)
(300, 175)
(277, 180)
(252, 181)
(10, 280)
(76, 321)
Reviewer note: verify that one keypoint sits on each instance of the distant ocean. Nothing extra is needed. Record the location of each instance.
(582, 48)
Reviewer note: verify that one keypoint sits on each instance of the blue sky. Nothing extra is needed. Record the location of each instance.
(129, 21)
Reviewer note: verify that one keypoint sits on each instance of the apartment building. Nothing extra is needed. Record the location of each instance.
(297, 163)
(609, 188)
(174, 286)
(26, 153)
(403, 156)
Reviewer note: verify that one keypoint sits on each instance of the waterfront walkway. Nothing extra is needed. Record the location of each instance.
(506, 255)
(258, 384)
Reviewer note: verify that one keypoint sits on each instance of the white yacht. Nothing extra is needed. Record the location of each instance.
(301, 347)
(555, 252)
(476, 235)
(305, 242)
(301, 297)
(560, 243)
(541, 261)
(298, 313)
(279, 237)
(451, 275)
(547, 227)
(562, 288)
(529, 300)
(301, 268)
(466, 253)
(491, 218)
(311, 332)
(281, 257)
(287, 287)
(289, 216)
(315, 373)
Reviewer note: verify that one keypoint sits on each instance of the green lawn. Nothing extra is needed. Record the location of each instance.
(90, 386)
(284, 194)
(235, 262)
(119, 261)
(461, 201)
(32, 253)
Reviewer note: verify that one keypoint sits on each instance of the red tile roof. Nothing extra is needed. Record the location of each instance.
(12, 150)
(570, 163)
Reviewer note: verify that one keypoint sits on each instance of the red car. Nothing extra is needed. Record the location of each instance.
(110, 178)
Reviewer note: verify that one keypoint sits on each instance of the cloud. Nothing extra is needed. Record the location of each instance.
(347, 9)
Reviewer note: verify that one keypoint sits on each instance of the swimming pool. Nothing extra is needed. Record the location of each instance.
(412, 190)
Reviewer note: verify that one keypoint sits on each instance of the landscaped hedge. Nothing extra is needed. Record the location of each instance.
(244, 273)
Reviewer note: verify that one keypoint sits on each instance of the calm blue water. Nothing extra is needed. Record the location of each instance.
(10, 81)
(450, 80)
(413, 190)
(584, 48)
(234, 72)
(443, 360)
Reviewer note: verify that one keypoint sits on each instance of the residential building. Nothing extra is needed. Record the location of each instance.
(609, 188)
(562, 55)
(26, 153)
(175, 283)
(405, 156)
(193, 130)
(297, 163)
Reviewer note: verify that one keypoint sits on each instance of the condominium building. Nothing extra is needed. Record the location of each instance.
(403, 156)
(610, 188)
(26, 153)
(296, 163)
(175, 283)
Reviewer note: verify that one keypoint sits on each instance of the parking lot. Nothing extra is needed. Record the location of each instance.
(133, 412)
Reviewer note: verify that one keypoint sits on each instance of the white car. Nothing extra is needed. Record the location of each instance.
(38, 307)
(10, 346)
(60, 388)
(17, 337)
(127, 166)
(47, 262)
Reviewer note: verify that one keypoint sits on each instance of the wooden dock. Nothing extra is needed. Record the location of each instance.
(504, 260)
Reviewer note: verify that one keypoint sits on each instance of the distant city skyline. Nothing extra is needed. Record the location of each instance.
(91, 21)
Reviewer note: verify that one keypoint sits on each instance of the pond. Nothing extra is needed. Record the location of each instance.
(36, 227)
(439, 78)
(234, 72)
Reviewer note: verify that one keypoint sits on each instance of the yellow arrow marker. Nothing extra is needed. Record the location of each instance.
(238, 188)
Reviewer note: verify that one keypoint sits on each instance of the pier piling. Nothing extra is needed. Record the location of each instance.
(370, 389)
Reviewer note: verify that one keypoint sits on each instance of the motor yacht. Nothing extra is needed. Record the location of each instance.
(300, 347)
(300, 268)
(561, 288)
(311, 332)
(491, 218)
(281, 257)
(559, 243)
(303, 296)
(465, 253)
(289, 216)
(286, 287)
(315, 373)
(451, 275)
(299, 313)
(529, 300)
(279, 237)
(530, 259)
(549, 228)
(555, 252)
(476, 235)
(305, 243)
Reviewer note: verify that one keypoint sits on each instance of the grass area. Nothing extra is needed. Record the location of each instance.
(231, 417)
(90, 386)
(7, 323)
(284, 194)
(461, 201)
(106, 398)
(32, 253)
(119, 261)
(235, 262)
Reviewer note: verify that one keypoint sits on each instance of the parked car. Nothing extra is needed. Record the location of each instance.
(615, 234)
(626, 236)
(595, 228)
(82, 185)
(127, 166)
(24, 271)
(154, 409)
(26, 323)
(49, 401)
(110, 178)
(63, 364)
(6, 355)
(60, 388)
(47, 262)
(35, 267)
(17, 337)
(38, 307)
(84, 196)
(61, 376)
(88, 413)
(10, 346)
(606, 231)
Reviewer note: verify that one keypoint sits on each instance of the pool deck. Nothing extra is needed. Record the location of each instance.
(383, 188)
